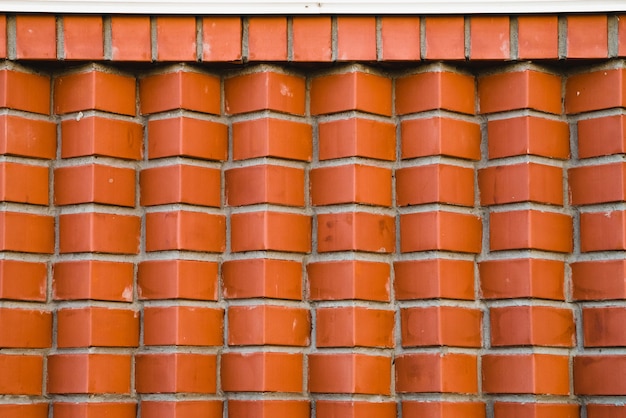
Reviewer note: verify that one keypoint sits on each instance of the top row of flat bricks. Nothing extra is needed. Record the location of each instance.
(311, 39)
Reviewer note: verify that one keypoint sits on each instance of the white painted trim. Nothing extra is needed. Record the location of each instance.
(291, 7)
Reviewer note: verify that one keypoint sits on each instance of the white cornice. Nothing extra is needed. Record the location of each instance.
(300, 7)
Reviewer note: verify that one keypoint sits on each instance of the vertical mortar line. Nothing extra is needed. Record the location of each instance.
(108, 37)
(467, 36)
(379, 38)
(562, 37)
(290, 39)
(199, 39)
(613, 36)
(423, 37)
(333, 38)
(514, 38)
(244, 40)
(60, 38)
(11, 37)
(153, 39)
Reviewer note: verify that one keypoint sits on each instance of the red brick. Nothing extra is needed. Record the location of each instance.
(29, 410)
(312, 38)
(599, 280)
(25, 91)
(356, 38)
(356, 90)
(185, 230)
(535, 410)
(262, 278)
(353, 183)
(357, 137)
(532, 325)
(187, 137)
(445, 37)
(595, 90)
(440, 230)
(604, 411)
(349, 373)
(89, 373)
(526, 182)
(23, 280)
(182, 326)
(441, 326)
(446, 373)
(108, 92)
(527, 89)
(526, 373)
(261, 372)
(99, 232)
(278, 231)
(22, 374)
(528, 135)
(489, 38)
(530, 229)
(25, 232)
(264, 90)
(130, 38)
(400, 38)
(175, 373)
(587, 36)
(354, 409)
(354, 327)
(437, 409)
(603, 231)
(621, 35)
(436, 183)
(180, 89)
(3, 36)
(602, 136)
(35, 37)
(265, 184)
(356, 231)
(27, 137)
(177, 279)
(268, 408)
(433, 279)
(176, 38)
(603, 326)
(181, 183)
(23, 183)
(538, 37)
(269, 137)
(599, 374)
(97, 326)
(440, 136)
(94, 409)
(268, 325)
(83, 37)
(94, 135)
(221, 38)
(522, 278)
(93, 279)
(94, 183)
(25, 328)
(267, 38)
(440, 89)
(181, 408)
(348, 279)
(597, 184)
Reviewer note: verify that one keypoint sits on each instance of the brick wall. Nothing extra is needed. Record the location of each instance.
(322, 217)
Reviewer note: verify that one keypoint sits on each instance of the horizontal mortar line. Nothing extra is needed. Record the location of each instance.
(436, 350)
(28, 257)
(352, 303)
(438, 207)
(91, 66)
(386, 352)
(261, 396)
(94, 256)
(600, 160)
(93, 303)
(432, 67)
(353, 114)
(439, 113)
(179, 160)
(167, 68)
(346, 67)
(438, 302)
(253, 162)
(438, 397)
(595, 114)
(79, 115)
(526, 302)
(350, 397)
(607, 64)
(184, 207)
(529, 349)
(522, 159)
(527, 205)
(92, 159)
(258, 349)
(258, 301)
(91, 207)
(176, 397)
(603, 399)
(516, 67)
(185, 255)
(262, 255)
(254, 115)
(270, 207)
(605, 208)
(255, 67)
(25, 208)
(433, 255)
(126, 351)
(43, 306)
(348, 208)
(329, 257)
(434, 160)
(532, 398)
(179, 113)
(600, 304)
(513, 254)
(517, 113)
(601, 351)
(37, 117)
(599, 256)
(353, 160)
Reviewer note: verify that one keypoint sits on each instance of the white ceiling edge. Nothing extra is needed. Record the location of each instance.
(301, 7)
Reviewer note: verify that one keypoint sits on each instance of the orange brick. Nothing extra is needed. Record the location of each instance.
(356, 38)
(262, 278)
(94, 183)
(35, 37)
(99, 232)
(182, 408)
(269, 137)
(603, 410)
(312, 38)
(182, 326)
(261, 372)
(185, 230)
(400, 38)
(89, 373)
(354, 409)
(130, 38)
(268, 325)
(356, 231)
(265, 184)
(93, 279)
(535, 410)
(23, 280)
(531, 325)
(446, 373)
(441, 325)
(25, 232)
(25, 328)
(540, 374)
(268, 408)
(96, 326)
(440, 230)
(30, 410)
(265, 90)
(94, 409)
(612, 131)
(445, 37)
(27, 138)
(177, 279)
(356, 90)
(597, 184)
(180, 89)
(587, 36)
(436, 183)
(187, 137)
(278, 231)
(538, 37)
(435, 90)
(25, 91)
(489, 38)
(433, 279)
(83, 37)
(267, 38)
(175, 373)
(595, 90)
(440, 136)
(353, 183)
(181, 183)
(349, 279)
(94, 135)
(23, 183)
(22, 374)
(530, 229)
(176, 38)
(221, 38)
(602, 326)
(357, 137)
(585, 283)
(354, 327)
(599, 374)
(603, 231)
(349, 373)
